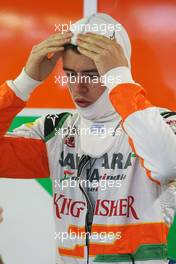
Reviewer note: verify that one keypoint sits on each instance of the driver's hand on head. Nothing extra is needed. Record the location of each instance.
(38, 65)
(106, 53)
(1, 211)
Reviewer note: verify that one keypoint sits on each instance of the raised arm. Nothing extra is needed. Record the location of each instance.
(151, 130)
(152, 139)
(23, 153)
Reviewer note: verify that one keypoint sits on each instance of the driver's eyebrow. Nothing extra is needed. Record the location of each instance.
(67, 69)
(91, 70)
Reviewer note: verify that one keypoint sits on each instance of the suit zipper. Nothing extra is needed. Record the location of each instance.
(89, 204)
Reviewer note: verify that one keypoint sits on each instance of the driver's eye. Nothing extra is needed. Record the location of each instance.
(88, 75)
(70, 74)
(91, 75)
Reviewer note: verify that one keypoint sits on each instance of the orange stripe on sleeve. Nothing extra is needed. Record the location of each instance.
(20, 157)
(23, 158)
(10, 105)
(129, 98)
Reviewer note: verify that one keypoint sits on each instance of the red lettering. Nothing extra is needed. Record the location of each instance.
(97, 207)
(56, 204)
(113, 208)
(75, 211)
(105, 207)
(122, 205)
(65, 205)
(130, 202)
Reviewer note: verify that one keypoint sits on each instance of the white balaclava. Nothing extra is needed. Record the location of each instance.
(100, 117)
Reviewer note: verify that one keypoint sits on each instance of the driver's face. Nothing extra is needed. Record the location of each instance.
(80, 71)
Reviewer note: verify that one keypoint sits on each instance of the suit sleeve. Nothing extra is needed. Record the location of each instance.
(151, 134)
(23, 152)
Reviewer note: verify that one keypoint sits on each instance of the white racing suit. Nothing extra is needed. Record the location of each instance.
(128, 221)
